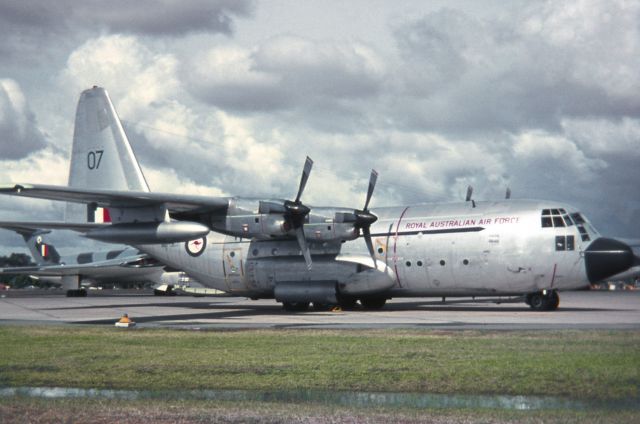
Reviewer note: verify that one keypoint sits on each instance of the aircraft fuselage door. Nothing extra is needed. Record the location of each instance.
(233, 268)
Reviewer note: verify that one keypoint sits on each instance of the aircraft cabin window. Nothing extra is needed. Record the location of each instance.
(466, 261)
(442, 262)
(408, 263)
(419, 263)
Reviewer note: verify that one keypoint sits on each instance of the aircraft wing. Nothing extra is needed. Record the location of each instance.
(31, 226)
(134, 261)
(119, 199)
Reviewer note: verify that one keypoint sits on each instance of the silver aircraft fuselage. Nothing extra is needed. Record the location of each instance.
(454, 249)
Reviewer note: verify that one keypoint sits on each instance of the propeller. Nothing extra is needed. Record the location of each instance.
(295, 213)
(362, 219)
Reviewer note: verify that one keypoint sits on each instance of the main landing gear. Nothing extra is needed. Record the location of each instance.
(77, 293)
(546, 300)
(345, 302)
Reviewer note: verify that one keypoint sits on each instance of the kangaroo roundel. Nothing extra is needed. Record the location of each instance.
(196, 247)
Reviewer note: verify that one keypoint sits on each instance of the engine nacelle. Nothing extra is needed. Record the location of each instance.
(265, 219)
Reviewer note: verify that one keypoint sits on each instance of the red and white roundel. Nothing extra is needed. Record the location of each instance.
(196, 247)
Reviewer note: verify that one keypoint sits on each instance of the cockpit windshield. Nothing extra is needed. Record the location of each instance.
(581, 223)
(554, 218)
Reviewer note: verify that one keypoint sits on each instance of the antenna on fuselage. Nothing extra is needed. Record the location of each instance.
(469, 194)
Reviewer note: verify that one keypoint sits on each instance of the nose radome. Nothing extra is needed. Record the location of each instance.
(606, 257)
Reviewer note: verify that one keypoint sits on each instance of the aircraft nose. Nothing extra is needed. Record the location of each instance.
(606, 257)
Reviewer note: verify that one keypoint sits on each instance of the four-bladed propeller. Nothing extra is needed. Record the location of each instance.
(296, 212)
(362, 219)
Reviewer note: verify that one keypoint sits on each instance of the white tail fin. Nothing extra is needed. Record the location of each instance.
(101, 157)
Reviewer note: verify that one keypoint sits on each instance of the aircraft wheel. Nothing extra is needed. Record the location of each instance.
(77, 293)
(553, 300)
(348, 302)
(295, 306)
(373, 302)
(541, 302)
(317, 306)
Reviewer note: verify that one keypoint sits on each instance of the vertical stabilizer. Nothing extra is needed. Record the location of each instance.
(101, 157)
(42, 252)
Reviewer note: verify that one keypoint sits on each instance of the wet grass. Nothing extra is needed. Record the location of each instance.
(591, 365)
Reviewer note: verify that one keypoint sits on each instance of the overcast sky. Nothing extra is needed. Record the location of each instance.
(229, 96)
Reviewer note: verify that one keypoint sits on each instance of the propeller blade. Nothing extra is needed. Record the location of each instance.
(302, 242)
(372, 184)
(367, 238)
(308, 164)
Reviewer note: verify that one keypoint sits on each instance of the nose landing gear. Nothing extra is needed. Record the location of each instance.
(547, 300)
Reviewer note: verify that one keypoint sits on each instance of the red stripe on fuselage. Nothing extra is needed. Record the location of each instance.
(395, 243)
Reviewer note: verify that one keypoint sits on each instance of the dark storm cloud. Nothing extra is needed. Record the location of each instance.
(19, 134)
(162, 18)
(22, 18)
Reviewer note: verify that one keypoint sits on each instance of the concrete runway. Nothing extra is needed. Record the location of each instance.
(580, 310)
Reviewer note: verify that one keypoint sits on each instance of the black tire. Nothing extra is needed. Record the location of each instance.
(541, 302)
(295, 306)
(553, 300)
(77, 293)
(373, 302)
(347, 302)
(317, 306)
(537, 301)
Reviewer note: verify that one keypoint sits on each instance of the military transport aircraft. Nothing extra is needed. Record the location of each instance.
(298, 254)
(120, 265)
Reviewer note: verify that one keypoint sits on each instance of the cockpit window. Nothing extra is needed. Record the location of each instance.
(577, 218)
(580, 223)
(554, 218)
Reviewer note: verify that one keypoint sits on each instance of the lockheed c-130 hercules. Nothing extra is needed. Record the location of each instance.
(301, 254)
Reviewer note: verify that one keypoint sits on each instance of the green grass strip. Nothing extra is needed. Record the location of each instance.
(598, 365)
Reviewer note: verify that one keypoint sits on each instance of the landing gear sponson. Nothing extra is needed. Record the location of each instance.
(546, 300)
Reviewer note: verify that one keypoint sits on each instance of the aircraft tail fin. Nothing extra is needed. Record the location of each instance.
(101, 157)
(42, 252)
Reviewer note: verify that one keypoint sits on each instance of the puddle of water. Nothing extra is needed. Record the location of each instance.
(362, 399)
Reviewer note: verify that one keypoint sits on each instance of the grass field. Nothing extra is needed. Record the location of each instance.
(586, 365)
